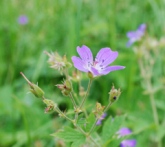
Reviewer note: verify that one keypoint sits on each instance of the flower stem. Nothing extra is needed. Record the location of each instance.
(110, 103)
(62, 114)
(155, 113)
(73, 101)
(85, 97)
(151, 94)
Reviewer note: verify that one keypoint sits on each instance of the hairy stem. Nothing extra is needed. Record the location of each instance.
(73, 101)
(85, 97)
(154, 110)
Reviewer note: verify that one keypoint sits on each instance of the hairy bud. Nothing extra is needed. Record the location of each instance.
(37, 91)
(99, 110)
(114, 94)
(50, 105)
(65, 88)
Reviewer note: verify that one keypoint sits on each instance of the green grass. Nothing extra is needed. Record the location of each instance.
(62, 25)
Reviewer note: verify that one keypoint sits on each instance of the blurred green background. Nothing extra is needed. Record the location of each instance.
(62, 25)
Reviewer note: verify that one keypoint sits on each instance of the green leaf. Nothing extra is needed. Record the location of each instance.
(161, 132)
(81, 121)
(110, 128)
(70, 135)
(78, 143)
(90, 121)
(115, 142)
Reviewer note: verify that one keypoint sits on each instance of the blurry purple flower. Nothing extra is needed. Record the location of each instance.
(99, 66)
(136, 35)
(101, 118)
(128, 143)
(124, 132)
(23, 20)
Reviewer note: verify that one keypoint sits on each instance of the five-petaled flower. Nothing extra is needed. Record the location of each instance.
(99, 66)
(128, 142)
(136, 35)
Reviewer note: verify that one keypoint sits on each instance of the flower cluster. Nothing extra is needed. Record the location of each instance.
(94, 67)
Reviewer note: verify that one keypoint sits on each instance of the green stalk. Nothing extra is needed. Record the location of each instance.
(73, 101)
(85, 97)
(154, 110)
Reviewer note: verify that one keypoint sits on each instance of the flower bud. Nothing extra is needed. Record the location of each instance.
(99, 110)
(37, 91)
(65, 88)
(90, 75)
(78, 110)
(58, 62)
(50, 105)
(114, 94)
(76, 76)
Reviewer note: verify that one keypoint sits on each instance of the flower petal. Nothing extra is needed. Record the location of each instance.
(111, 68)
(85, 54)
(142, 28)
(78, 63)
(124, 131)
(128, 143)
(94, 71)
(131, 34)
(130, 42)
(106, 56)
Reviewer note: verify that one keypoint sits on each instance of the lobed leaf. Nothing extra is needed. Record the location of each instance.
(110, 128)
(70, 135)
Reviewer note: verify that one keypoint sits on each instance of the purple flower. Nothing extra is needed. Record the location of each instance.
(99, 66)
(123, 132)
(23, 20)
(101, 118)
(136, 35)
(128, 143)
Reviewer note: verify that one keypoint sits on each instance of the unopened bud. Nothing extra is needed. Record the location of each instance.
(99, 110)
(114, 94)
(68, 85)
(60, 86)
(37, 91)
(65, 88)
(76, 75)
(68, 64)
(99, 107)
(50, 105)
(65, 92)
(90, 75)
(78, 110)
